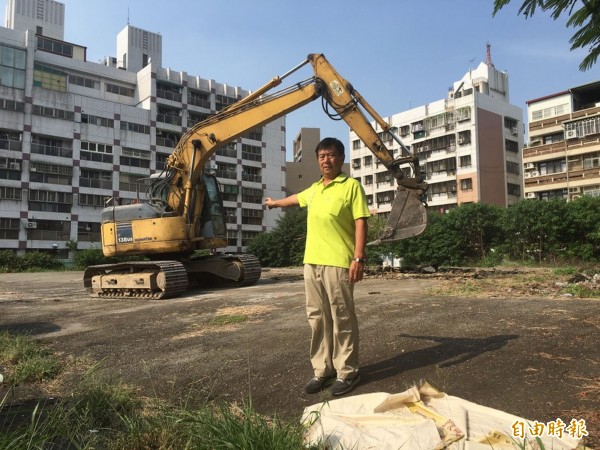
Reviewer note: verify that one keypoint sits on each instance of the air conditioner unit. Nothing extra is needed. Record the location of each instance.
(530, 195)
(535, 173)
(571, 134)
(575, 189)
(31, 225)
(15, 166)
(530, 166)
(514, 131)
(575, 197)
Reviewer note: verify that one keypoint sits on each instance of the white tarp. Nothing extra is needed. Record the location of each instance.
(420, 418)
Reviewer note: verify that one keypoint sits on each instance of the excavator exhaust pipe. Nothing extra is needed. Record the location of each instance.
(408, 217)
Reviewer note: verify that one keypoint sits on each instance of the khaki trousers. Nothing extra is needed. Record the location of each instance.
(332, 319)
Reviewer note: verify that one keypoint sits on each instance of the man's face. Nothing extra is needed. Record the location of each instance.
(330, 162)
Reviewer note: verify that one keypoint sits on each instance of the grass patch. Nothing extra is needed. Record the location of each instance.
(582, 291)
(228, 319)
(26, 360)
(107, 414)
(562, 271)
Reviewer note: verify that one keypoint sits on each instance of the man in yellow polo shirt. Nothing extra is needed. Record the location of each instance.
(334, 260)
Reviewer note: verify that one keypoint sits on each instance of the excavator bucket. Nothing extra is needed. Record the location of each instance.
(408, 217)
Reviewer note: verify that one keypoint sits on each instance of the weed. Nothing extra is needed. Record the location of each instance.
(27, 360)
(228, 319)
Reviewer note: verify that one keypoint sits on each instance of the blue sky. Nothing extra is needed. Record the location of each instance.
(398, 54)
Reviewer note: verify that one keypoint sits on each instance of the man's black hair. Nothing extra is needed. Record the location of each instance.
(329, 143)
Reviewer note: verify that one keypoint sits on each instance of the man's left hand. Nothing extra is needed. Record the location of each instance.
(355, 274)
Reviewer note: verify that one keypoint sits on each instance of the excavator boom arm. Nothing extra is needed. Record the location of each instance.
(196, 147)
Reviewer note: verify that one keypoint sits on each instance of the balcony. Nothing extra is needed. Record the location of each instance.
(561, 179)
(51, 150)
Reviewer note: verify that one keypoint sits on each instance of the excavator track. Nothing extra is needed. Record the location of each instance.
(139, 279)
(252, 270)
(234, 270)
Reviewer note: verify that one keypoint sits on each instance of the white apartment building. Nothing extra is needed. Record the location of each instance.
(562, 159)
(74, 133)
(469, 145)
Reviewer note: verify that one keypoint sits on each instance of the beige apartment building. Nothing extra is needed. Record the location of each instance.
(562, 159)
(469, 145)
(304, 170)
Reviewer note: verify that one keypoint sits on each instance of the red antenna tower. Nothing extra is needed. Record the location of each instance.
(488, 59)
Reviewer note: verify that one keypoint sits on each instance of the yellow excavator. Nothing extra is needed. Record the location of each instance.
(183, 209)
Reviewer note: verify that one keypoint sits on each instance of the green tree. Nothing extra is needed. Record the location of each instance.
(477, 227)
(585, 19)
(535, 230)
(582, 229)
(284, 245)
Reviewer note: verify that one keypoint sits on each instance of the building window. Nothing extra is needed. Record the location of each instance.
(368, 180)
(53, 112)
(10, 193)
(466, 184)
(229, 150)
(252, 216)
(255, 135)
(83, 81)
(50, 201)
(199, 98)
(511, 146)
(513, 167)
(194, 118)
(10, 168)
(251, 174)
(95, 120)
(356, 163)
(12, 67)
(591, 161)
(384, 198)
(222, 101)
(120, 90)
(166, 138)
(513, 189)
(556, 166)
(368, 161)
(464, 161)
(161, 161)
(58, 47)
(227, 171)
(252, 152)
(250, 195)
(9, 228)
(135, 158)
(229, 192)
(96, 201)
(95, 179)
(129, 182)
(50, 78)
(247, 237)
(464, 137)
(50, 173)
(168, 92)
(135, 127)
(51, 147)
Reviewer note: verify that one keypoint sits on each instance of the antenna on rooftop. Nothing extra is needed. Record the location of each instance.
(488, 58)
(128, 15)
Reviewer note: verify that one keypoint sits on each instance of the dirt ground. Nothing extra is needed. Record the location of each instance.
(508, 339)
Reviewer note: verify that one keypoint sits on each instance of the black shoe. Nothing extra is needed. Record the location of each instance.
(317, 384)
(342, 386)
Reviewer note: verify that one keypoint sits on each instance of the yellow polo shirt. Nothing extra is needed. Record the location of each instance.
(332, 210)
